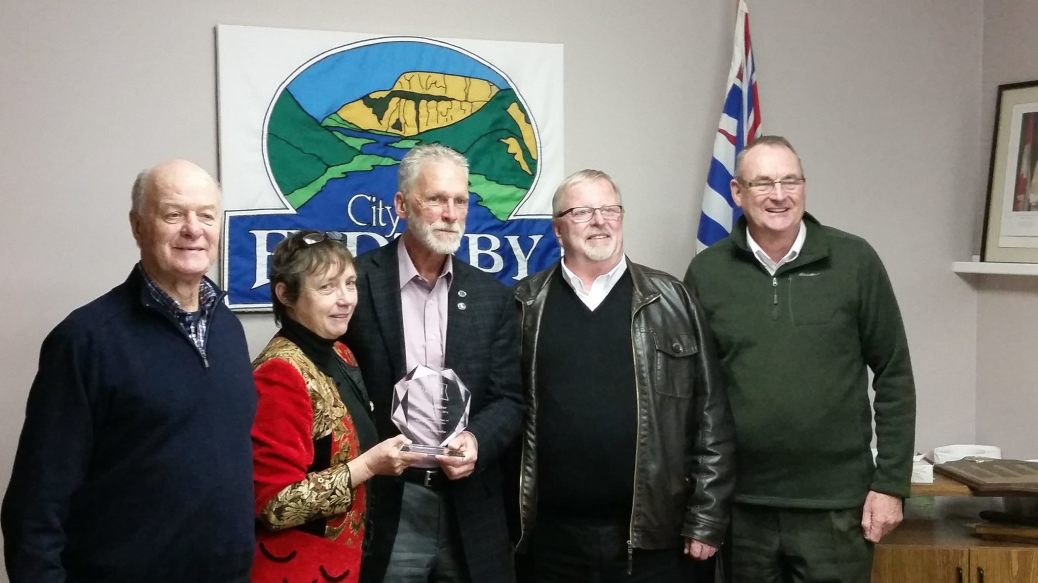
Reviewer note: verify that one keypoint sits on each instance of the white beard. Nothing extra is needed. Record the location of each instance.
(437, 241)
(598, 252)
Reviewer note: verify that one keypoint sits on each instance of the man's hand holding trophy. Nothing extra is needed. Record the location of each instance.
(431, 408)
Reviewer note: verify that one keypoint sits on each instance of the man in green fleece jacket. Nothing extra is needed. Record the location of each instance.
(800, 312)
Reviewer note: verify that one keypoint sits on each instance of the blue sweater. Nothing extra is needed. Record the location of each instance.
(135, 461)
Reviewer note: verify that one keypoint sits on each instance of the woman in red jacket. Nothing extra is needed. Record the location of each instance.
(314, 440)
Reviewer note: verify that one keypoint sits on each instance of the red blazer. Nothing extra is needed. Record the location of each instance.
(310, 522)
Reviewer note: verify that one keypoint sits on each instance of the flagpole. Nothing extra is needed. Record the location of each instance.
(746, 97)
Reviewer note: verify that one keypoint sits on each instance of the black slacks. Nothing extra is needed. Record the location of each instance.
(569, 551)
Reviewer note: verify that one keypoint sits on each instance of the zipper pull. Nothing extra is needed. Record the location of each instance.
(630, 557)
(774, 291)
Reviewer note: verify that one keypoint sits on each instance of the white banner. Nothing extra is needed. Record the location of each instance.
(313, 123)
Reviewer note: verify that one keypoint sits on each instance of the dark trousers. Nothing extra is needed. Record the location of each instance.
(785, 545)
(567, 552)
(428, 545)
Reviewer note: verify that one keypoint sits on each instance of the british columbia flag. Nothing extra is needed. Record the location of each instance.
(739, 127)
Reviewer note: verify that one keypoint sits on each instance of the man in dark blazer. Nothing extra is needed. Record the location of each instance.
(418, 305)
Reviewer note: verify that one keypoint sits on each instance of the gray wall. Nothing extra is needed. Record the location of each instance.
(889, 102)
(1007, 306)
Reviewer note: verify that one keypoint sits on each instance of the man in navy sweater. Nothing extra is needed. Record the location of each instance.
(134, 463)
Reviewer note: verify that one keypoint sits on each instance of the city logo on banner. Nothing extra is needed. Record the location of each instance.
(334, 133)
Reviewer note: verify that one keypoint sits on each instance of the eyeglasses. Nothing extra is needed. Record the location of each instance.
(583, 214)
(295, 244)
(762, 187)
(313, 238)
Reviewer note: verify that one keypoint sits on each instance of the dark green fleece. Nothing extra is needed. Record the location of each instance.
(795, 349)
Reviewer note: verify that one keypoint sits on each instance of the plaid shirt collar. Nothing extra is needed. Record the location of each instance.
(194, 324)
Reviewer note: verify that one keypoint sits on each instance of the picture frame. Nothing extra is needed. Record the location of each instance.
(1011, 214)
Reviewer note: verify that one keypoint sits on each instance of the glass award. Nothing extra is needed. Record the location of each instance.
(431, 408)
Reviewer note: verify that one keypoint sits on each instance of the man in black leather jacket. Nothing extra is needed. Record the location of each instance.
(627, 449)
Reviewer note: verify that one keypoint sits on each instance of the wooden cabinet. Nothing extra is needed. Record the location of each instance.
(911, 563)
(1011, 565)
(944, 550)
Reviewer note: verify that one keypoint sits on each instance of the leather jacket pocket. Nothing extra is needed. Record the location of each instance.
(674, 372)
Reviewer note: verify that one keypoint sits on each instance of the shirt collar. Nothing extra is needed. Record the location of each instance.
(765, 260)
(208, 295)
(607, 279)
(408, 271)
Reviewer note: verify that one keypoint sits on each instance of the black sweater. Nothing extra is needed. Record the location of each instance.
(135, 460)
(588, 414)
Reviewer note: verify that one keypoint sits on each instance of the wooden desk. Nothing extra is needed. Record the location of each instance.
(942, 486)
(945, 486)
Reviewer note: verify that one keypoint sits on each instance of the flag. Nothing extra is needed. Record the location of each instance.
(739, 127)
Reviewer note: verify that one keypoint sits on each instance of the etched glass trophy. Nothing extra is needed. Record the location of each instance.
(431, 408)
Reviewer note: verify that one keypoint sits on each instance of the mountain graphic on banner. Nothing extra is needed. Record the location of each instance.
(419, 101)
(486, 124)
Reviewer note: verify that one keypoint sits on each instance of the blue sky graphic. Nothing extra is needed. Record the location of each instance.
(350, 74)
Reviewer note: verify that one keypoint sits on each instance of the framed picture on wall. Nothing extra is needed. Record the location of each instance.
(1011, 216)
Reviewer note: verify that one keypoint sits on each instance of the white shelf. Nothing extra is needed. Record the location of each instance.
(995, 268)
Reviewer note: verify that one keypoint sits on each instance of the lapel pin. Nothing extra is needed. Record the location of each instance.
(462, 293)
(461, 305)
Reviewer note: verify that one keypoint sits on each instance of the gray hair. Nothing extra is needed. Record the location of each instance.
(137, 193)
(773, 141)
(412, 163)
(585, 175)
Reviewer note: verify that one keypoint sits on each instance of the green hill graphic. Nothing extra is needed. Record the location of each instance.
(305, 154)
(299, 150)
(478, 137)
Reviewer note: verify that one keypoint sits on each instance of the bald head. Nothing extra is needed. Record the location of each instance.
(170, 173)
